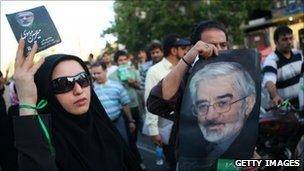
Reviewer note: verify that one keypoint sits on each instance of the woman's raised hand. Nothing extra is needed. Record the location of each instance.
(25, 69)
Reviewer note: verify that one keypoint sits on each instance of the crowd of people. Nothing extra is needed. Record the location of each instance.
(67, 114)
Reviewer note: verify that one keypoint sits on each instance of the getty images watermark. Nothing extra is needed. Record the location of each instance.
(267, 163)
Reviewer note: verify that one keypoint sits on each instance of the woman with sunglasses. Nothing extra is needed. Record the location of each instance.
(76, 133)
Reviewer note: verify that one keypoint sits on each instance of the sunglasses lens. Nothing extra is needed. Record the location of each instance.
(62, 85)
(83, 80)
(66, 84)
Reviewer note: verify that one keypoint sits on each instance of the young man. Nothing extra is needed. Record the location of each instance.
(282, 69)
(207, 39)
(156, 54)
(107, 59)
(143, 56)
(113, 97)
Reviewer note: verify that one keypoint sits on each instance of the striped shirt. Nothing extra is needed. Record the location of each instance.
(131, 91)
(113, 96)
(285, 73)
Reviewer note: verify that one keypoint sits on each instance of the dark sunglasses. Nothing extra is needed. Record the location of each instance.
(66, 84)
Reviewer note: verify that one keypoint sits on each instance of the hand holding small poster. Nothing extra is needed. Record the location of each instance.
(34, 25)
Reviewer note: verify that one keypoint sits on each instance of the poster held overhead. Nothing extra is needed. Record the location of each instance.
(220, 110)
(34, 25)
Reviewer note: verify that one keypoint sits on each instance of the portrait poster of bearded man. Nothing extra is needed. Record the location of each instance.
(220, 110)
(34, 25)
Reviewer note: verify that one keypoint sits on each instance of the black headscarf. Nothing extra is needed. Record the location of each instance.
(86, 142)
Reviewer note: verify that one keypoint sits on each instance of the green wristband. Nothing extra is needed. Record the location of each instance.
(45, 131)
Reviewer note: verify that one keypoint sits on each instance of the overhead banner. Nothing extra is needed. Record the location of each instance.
(220, 111)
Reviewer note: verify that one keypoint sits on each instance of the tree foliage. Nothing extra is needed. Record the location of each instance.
(139, 22)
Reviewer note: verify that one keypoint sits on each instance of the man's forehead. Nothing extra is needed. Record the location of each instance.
(96, 67)
(213, 32)
(223, 77)
(21, 14)
(106, 55)
(219, 83)
(215, 42)
(155, 50)
(215, 89)
(217, 96)
(182, 47)
(122, 57)
(287, 35)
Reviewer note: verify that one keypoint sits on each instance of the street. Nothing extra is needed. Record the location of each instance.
(147, 151)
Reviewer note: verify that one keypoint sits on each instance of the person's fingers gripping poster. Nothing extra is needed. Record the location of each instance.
(220, 110)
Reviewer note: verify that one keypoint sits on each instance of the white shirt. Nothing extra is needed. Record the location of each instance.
(154, 75)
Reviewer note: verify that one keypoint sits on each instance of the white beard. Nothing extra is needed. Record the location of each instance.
(227, 132)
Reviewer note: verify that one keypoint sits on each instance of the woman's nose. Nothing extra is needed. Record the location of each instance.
(77, 89)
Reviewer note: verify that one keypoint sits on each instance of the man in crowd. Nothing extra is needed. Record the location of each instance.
(107, 59)
(174, 49)
(156, 54)
(223, 95)
(144, 63)
(113, 97)
(282, 69)
(208, 37)
(129, 78)
(143, 56)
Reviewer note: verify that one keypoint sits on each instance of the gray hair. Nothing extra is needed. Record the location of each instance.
(243, 83)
